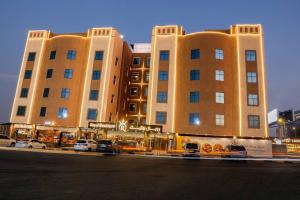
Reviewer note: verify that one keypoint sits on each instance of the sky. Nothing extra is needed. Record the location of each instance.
(135, 19)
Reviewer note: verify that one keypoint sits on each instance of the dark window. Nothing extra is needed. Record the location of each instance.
(136, 61)
(148, 61)
(161, 117)
(194, 97)
(135, 76)
(94, 95)
(134, 91)
(194, 119)
(147, 76)
(194, 75)
(145, 107)
(49, 73)
(31, 56)
(132, 107)
(21, 110)
(24, 92)
(99, 55)
(253, 121)
(250, 55)
(116, 61)
(68, 73)
(52, 55)
(96, 75)
(92, 114)
(27, 74)
(163, 75)
(71, 55)
(195, 54)
(43, 111)
(112, 98)
(46, 92)
(164, 55)
(65, 93)
(162, 97)
(114, 80)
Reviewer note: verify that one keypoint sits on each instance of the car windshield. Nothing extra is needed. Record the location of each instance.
(81, 141)
(192, 146)
(238, 148)
(104, 142)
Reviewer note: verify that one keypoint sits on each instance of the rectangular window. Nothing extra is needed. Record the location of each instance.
(194, 119)
(162, 97)
(136, 61)
(219, 54)
(194, 97)
(71, 55)
(194, 75)
(112, 98)
(96, 75)
(164, 55)
(148, 62)
(146, 92)
(252, 99)
(220, 120)
(116, 61)
(99, 55)
(68, 73)
(92, 114)
(24, 92)
(147, 75)
(28, 74)
(251, 77)
(219, 97)
(250, 55)
(134, 91)
(163, 75)
(94, 95)
(135, 76)
(65, 93)
(114, 80)
(52, 55)
(253, 121)
(46, 92)
(49, 73)
(132, 107)
(62, 113)
(43, 111)
(195, 54)
(145, 108)
(219, 75)
(31, 56)
(161, 117)
(21, 111)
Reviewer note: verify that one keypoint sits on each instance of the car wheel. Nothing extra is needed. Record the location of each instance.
(12, 144)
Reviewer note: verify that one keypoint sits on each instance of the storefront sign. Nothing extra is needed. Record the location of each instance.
(146, 128)
(23, 126)
(102, 125)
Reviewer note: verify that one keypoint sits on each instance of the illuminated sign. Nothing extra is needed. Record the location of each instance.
(102, 125)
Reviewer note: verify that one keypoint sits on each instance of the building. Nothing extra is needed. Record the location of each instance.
(209, 83)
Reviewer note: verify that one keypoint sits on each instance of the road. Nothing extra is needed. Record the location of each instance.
(34, 175)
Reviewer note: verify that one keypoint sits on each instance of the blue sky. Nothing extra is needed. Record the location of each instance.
(135, 18)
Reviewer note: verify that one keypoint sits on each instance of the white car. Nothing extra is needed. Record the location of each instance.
(85, 145)
(31, 143)
(6, 141)
(191, 149)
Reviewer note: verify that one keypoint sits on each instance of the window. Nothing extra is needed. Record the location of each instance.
(65, 93)
(164, 55)
(219, 75)
(114, 80)
(194, 119)
(148, 62)
(195, 54)
(43, 111)
(194, 75)
(71, 55)
(161, 117)
(144, 107)
(31, 56)
(52, 55)
(62, 113)
(135, 76)
(136, 61)
(162, 97)
(132, 107)
(194, 97)
(112, 98)
(27, 74)
(220, 120)
(250, 55)
(219, 97)
(147, 76)
(94, 95)
(49, 73)
(96, 75)
(253, 121)
(219, 54)
(92, 114)
(68, 73)
(251, 77)
(116, 61)
(24, 92)
(21, 111)
(134, 91)
(99, 55)
(252, 100)
(146, 92)
(46, 92)
(163, 75)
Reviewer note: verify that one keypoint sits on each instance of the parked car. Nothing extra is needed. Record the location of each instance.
(107, 146)
(31, 143)
(128, 146)
(191, 149)
(85, 145)
(235, 151)
(6, 141)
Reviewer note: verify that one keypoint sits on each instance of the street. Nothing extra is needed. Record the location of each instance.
(34, 175)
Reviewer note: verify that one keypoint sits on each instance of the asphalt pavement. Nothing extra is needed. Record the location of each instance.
(35, 175)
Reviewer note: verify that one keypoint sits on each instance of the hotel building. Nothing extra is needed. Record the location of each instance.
(209, 83)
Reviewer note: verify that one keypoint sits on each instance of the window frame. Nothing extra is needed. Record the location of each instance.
(252, 122)
(71, 54)
(163, 75)
(250, 55)
(94, 93)
(65, 93)
(43, 111)
(194, 75)
(161, 115)
(219, 75)
(220, 120)
(88, 115)
(195, 54)
(164, 55)
(253, 101)
(67, 73)
(193, 117)
(219, 54)
(162, 97)
(60, 113)
(21, 111)
(194, 97)
(99, 55)
(218, 96)
(26, 90)
(250, 77)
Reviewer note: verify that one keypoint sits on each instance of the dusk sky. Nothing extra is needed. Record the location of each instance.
(135, 19)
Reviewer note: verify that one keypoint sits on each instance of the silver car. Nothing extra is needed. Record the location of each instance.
(5, 141)
(31, 143)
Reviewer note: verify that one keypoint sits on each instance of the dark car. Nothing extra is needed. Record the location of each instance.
(191, 149)
(107, 146)
(235, 151)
